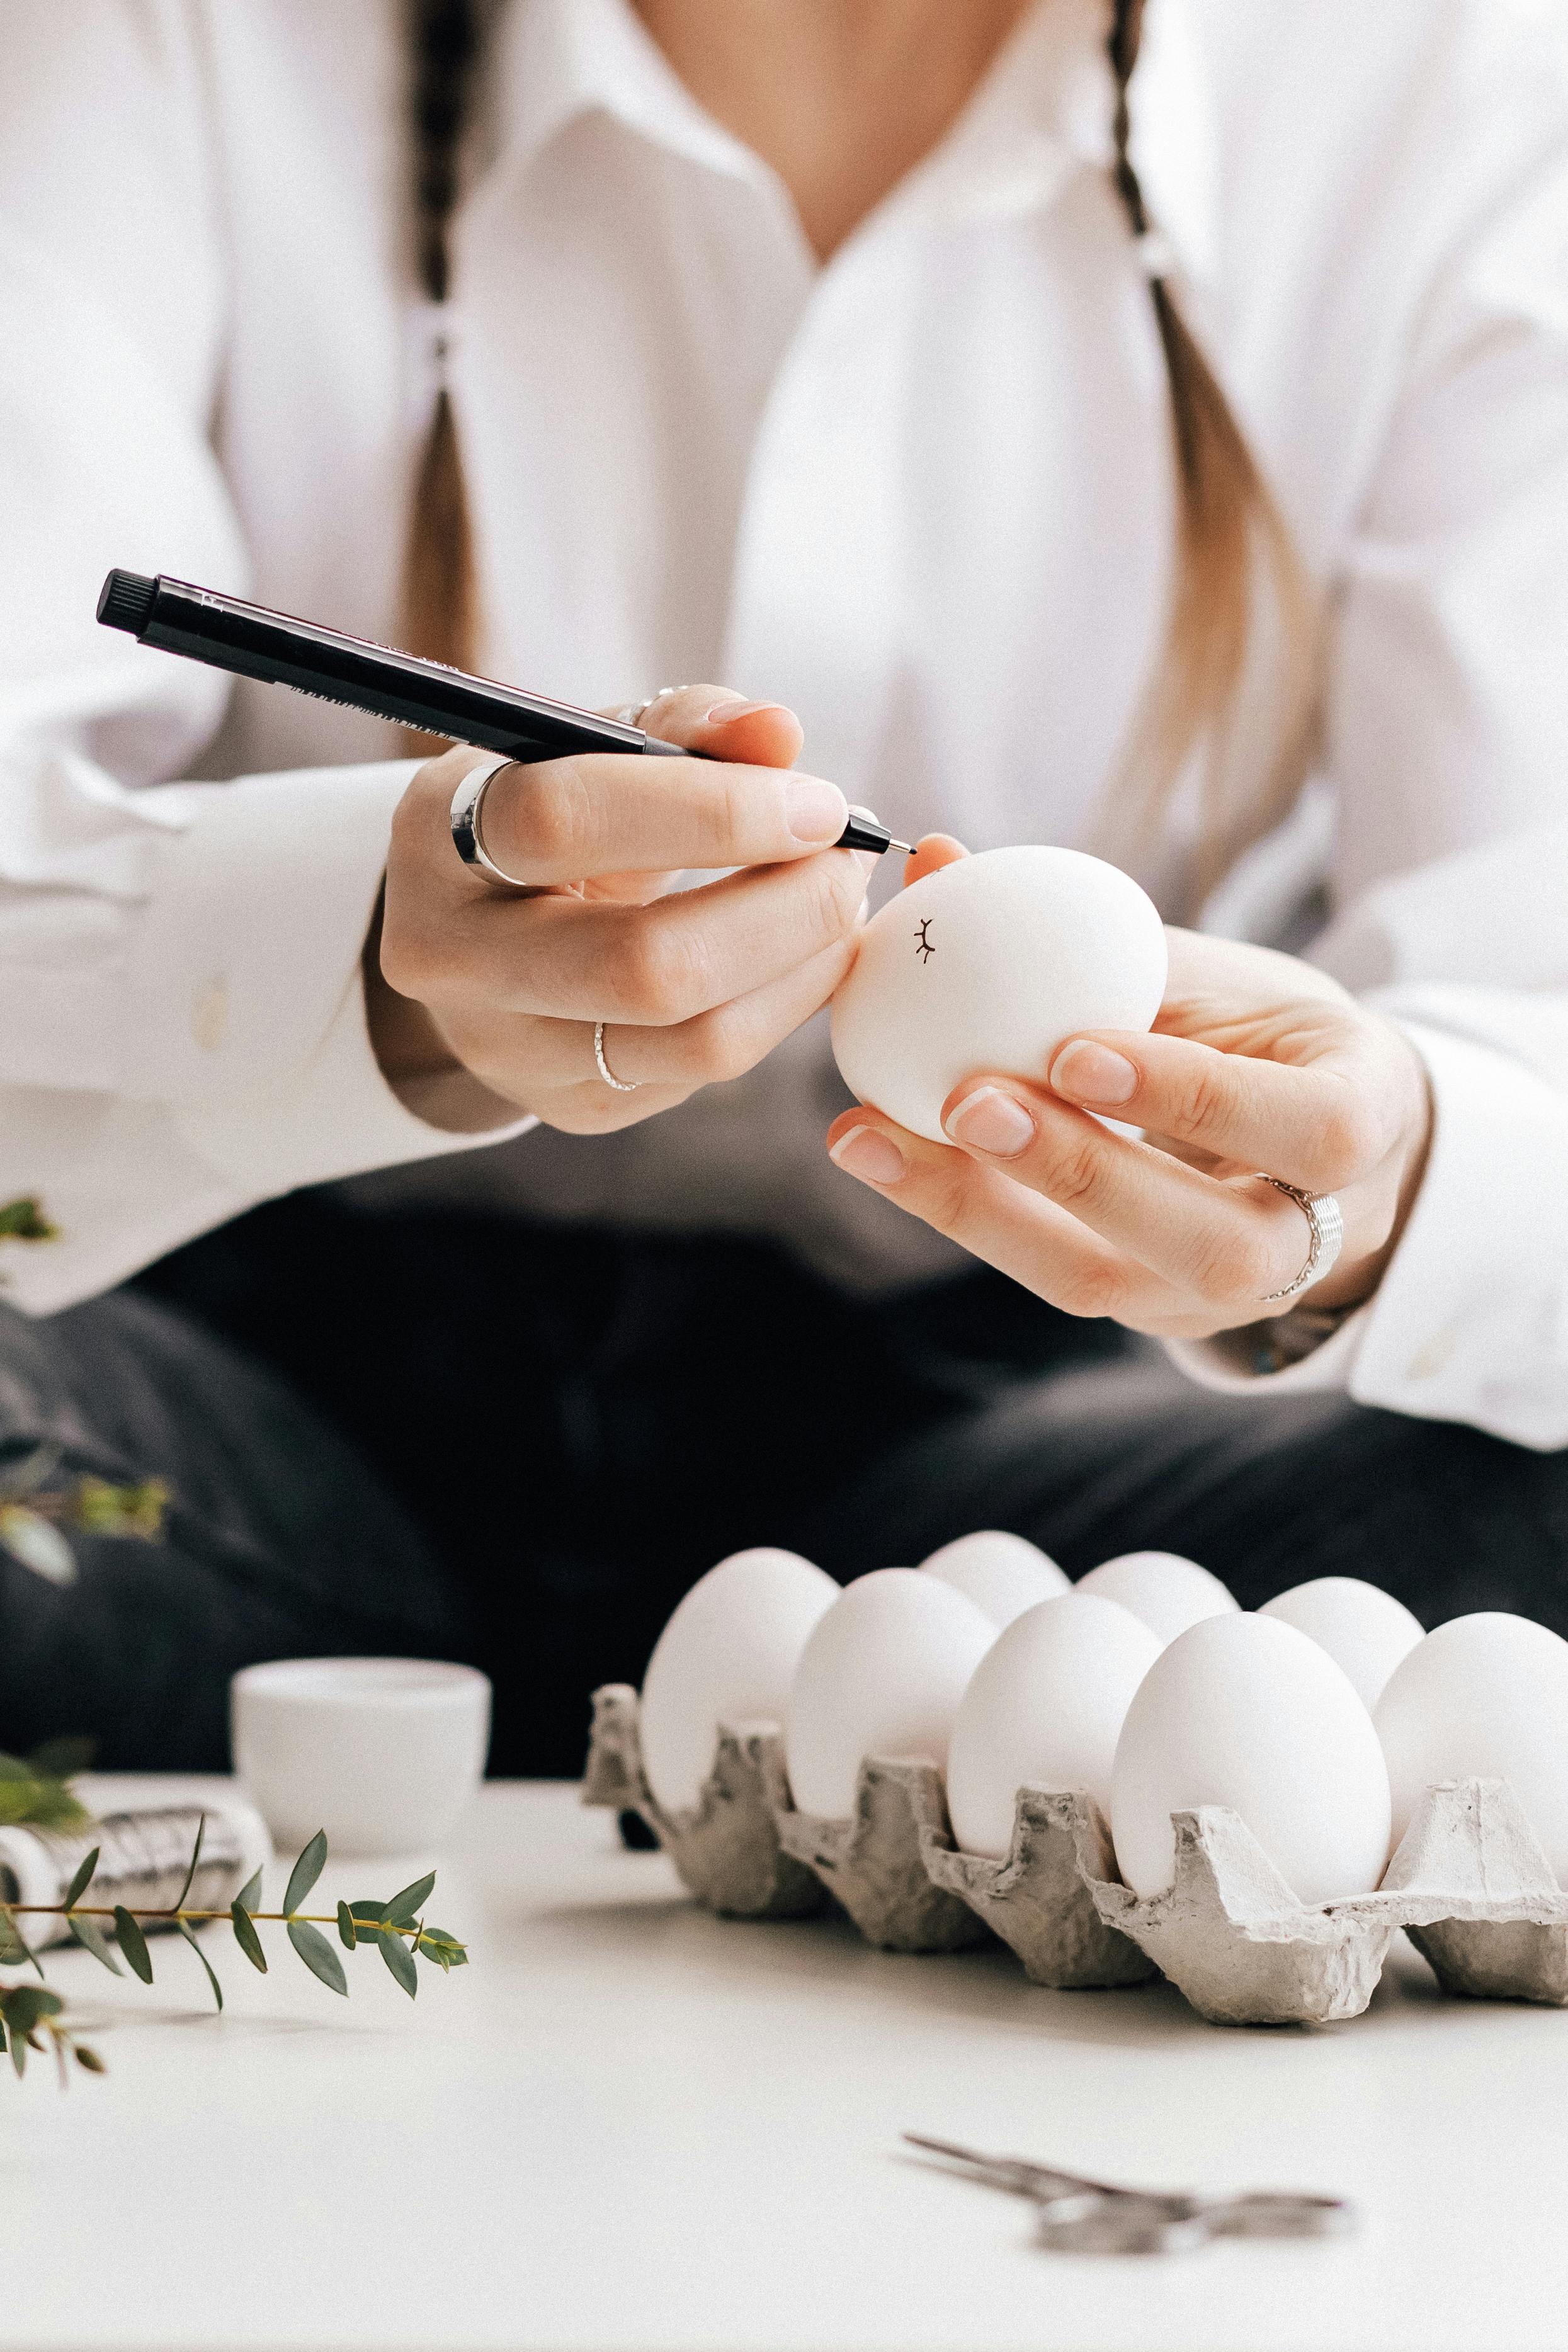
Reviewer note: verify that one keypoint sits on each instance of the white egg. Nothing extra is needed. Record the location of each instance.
(1044, 1709)
(1363, 1630)
(988, 965)
(1168, 1592)
(1246, 1712)
(882, 1675)
(1483, 1697)
(1003, 1574)
(728, 1655)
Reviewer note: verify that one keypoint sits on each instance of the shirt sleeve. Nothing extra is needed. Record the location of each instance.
(184, 1029)
(1448, 747)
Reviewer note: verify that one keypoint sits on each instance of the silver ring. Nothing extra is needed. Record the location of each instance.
(468, 802)
(631, 714)
(620, 1084)
(1325, 1222)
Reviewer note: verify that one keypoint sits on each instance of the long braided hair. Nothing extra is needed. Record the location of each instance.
(439, 615)
(1230, 535)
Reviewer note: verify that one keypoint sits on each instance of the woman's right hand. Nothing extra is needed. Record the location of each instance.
(694, 985)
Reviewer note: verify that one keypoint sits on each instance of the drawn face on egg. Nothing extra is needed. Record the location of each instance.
(990, 964)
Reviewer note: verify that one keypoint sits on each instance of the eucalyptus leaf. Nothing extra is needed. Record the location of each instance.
(83, 1878)
(88, 2060)
(196, 1857)
(403, 1908)
(89, 1936)
(367, 1910)
(189, 1933)
(438, 1943)
(249, 1895)
(24, 1949)
(246, 1937)
(306, 1872)
(318, 1955)
(23, 2006)
(346, 1934)
(400, 1960)
(132, 1943)
(18, 2051)
(16, 1768)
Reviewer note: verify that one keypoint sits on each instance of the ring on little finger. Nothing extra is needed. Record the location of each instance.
(1326, 1224)
(621, 1086)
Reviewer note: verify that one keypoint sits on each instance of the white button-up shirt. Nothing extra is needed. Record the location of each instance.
(923, 494)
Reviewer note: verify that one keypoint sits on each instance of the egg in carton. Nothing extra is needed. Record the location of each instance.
(1470, 1882)
(726, 1848)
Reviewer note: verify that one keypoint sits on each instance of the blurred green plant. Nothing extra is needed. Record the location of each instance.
(32, 2015)
(34, 1789)
(33, 1515)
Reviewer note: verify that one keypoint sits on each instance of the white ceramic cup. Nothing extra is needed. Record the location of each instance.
(385, 1754)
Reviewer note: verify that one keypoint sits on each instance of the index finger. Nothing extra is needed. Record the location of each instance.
(609, 812)
(1321, 1125)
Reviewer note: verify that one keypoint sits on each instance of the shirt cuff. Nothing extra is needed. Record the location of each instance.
(244, 1003)
(1470, 1321)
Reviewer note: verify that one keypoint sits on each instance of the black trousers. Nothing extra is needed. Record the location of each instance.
(455, 1436)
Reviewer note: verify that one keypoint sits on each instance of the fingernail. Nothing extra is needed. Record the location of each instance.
(1093, 1073)
(722, 713)
(815, 811)
(990, 1121)
(869, 1154)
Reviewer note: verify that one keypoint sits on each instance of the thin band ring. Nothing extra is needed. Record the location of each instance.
(631, 714)
(621, 1086)
(467, 805)
(1325, 1222)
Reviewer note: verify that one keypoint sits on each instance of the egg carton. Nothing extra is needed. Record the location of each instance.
(1040, 1898)
(874, 1864)
(1470, 1882)
(726, 1848)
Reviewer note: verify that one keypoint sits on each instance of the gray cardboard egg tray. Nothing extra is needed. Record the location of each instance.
(1470, 1883)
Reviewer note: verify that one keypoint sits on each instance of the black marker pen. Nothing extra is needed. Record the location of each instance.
(254, 642)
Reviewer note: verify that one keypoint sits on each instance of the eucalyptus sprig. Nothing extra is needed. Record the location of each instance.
(34, 1516)
(35, 1790)
(30, 2014)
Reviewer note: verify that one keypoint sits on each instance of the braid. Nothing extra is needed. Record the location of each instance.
(439, 615)
(1226, 517)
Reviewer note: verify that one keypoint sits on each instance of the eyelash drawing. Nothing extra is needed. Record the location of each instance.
(922, 945)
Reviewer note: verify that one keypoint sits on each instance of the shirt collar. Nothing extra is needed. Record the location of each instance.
(1042, 112)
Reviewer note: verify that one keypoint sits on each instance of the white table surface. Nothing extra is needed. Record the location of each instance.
(629, 2124)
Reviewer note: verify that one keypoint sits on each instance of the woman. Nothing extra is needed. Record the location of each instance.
(1153, 437)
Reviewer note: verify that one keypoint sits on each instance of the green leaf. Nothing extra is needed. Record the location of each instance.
(196, 1857)
(43, 1804)
(12, 1768)
(132, 1943)
(83, 1878)
(23, 2005)
(189, 1933)
(306, 1872)
(24, 1221)
(62, 1759)
(244, 1934)
(400, 1960)
(367, 1910)
(346, 1936)
(88, 2060)
(89, 1936)
(403, 1908)
(318, 1955)
(24, 1950)
(249, 1895)
(442, 1948)
(18, 2053)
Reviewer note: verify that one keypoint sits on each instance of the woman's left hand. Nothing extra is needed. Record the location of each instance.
(1255, 1061)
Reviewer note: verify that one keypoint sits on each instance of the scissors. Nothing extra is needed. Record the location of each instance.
(1077, 2215)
